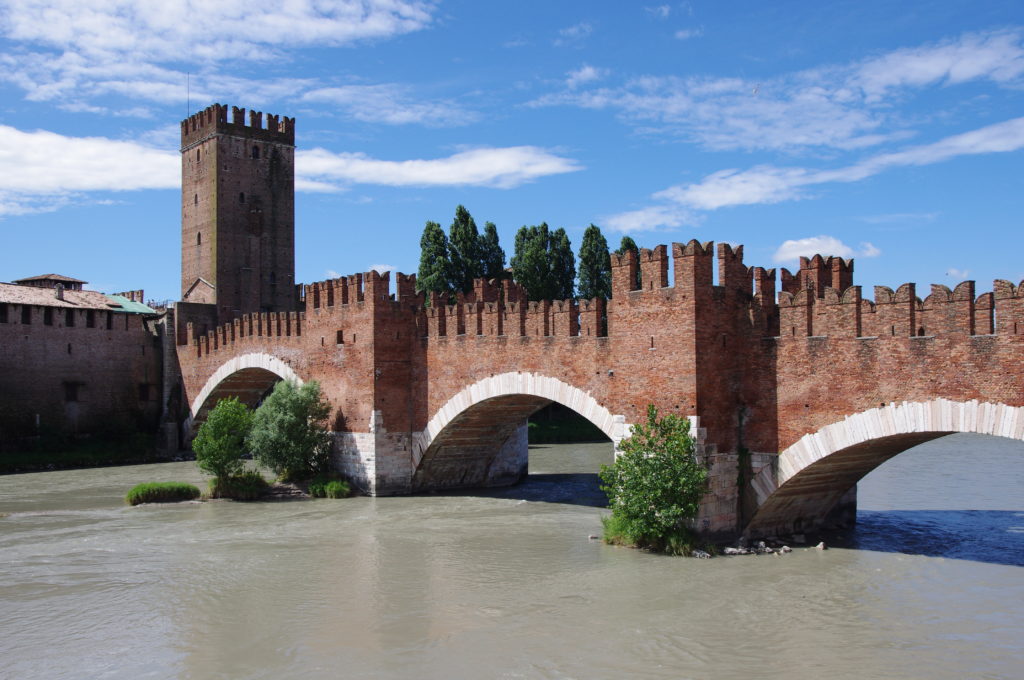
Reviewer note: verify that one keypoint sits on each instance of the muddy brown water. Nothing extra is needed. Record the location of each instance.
(507, 584)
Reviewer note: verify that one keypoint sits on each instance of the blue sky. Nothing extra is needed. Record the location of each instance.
(888, 132)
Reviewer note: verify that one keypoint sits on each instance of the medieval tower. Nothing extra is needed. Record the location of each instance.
(238, 211)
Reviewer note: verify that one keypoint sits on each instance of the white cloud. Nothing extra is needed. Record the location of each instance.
(793, 250)
(653, 218)
(382, 268)
(389, 103)
(841, 107)
(41, 170)
(687, 33)
(78, 51)
(659, 12)
(766, 184)
(502, 168)
(960, 274)
(574, 34)
(900, 217)
(584, 74)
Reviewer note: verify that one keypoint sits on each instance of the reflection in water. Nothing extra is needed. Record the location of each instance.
(502, 583)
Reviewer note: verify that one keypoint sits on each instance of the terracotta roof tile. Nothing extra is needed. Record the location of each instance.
(46, 297)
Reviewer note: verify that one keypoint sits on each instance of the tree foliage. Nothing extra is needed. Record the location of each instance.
(289, 432)
(544, 263)
(629, 244)
(595, 272)
(464, 247)
(435, 272)
(220, 442)
(492, 257)
(655, 486)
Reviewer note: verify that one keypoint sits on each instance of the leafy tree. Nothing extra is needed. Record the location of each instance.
(544, 263)
(629, 244)
(595, 274)
(464, 250)
(492, 257)
(435, 272)
(220, 442)
(289, 431)
(655, 486)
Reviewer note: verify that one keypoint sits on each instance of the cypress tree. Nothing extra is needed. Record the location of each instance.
(492, 257)
(464, 250)
(629, 244)
(434, 274)
(595, 274)
(562, 266)
(544, 263)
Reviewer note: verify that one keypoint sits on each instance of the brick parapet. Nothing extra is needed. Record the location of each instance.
(214, 119)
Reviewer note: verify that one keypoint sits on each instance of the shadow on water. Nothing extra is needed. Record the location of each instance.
(570, 488)
(993, 536)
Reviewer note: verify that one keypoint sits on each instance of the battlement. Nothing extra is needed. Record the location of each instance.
(214, 119)
(253, 327)
(901, 313)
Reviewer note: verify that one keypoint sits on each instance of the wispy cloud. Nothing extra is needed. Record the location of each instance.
(78, 52)
(382, 268)
(793, 250)
(44, 171)
(502, 168)
(767, 184)
(959, 274)
(390, 103)
(687, 33)
(584, 74)
(652, 218)
(894, 218)
(839, 107)
(574, 35)
(659, 11)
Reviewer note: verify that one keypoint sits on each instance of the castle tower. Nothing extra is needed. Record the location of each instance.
(238, 211)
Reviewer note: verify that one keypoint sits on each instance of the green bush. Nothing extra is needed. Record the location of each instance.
(654, 487)
(220, 442)
(289, 431)
(326, 487)
(161, 492)
(247, 486)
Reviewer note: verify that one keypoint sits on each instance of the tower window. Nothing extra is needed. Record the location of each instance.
(90, 318)
(69, 318)
(195, 199)
(255, 152)
(241, 197)
(3, 312)
(197, 155)
(26, 314)
(199, 238)
(48, 316)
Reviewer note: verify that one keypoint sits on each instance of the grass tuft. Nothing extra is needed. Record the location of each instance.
(161, 492)
(323, 486)
(247, 486)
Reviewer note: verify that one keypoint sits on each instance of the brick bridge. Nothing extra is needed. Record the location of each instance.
(794, 396)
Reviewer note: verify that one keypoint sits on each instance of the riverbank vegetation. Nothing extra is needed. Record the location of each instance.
(161, 492)
(324, 486)
(244, 486)
(654, 487)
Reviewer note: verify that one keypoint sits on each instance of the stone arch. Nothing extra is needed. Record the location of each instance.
(246, 376)
(809, 477)
(485, 422)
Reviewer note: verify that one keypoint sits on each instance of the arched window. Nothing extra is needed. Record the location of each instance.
(241, 197)
(255, 152)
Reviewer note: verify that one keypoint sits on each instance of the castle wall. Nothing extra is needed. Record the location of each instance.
(78, 378)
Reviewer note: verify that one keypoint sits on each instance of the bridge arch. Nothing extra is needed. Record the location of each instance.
(478, 437)
(247, 376)
(797, 492)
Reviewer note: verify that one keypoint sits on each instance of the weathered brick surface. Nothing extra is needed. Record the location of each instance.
(77, 377)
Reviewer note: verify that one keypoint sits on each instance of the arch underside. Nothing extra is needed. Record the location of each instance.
(485, 445)
(479, 436)
(248, 377)
(805, 501)
(811, 477)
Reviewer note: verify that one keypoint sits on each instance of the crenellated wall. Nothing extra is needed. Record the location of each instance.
(761, 369)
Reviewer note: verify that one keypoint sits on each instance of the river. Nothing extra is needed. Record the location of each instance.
(507, 584)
